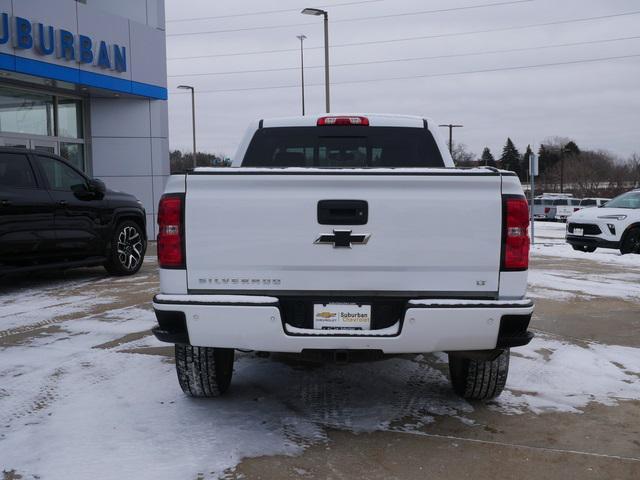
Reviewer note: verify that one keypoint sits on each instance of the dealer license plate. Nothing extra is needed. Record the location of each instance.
(578, 231)
(341, 316)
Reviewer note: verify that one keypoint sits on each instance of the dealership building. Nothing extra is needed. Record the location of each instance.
(86, 79)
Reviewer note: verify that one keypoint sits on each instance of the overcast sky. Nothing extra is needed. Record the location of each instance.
(595, 103)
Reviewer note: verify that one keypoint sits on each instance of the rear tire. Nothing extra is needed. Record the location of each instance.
(128, 246)
(631, 242)
(479, 379)
(204, 372)
(584, 248)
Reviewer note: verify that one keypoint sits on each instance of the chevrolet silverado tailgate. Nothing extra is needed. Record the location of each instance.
(429, 232)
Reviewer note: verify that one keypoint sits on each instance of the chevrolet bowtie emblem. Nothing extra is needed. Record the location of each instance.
(342, 239)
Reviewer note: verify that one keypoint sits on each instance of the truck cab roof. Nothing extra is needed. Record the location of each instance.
(374, 119)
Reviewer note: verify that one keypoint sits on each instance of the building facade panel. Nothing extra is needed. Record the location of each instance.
(156, 14)
(159, 119)
(114, 155)
(135, 10)
(120, 117)
(159, 161)
(145, 68)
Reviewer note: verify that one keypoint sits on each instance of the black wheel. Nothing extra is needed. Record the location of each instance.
(631, 242)
(479, 379)
(584, 248)
(204, 371)
(128, 246)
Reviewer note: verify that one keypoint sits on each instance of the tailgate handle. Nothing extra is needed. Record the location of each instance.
(343, 212)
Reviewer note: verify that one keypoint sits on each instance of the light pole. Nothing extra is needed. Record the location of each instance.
(193, 118)
(325, 14)
(302, 38)
(451, 127)
(562, 152)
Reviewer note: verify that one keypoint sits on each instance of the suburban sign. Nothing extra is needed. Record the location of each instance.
(47, 40)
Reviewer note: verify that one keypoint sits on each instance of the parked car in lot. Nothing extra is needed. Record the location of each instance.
(614, 225)
(543, 209)
(340, 234)
(565, 207)
(593, 202)
(53, 216)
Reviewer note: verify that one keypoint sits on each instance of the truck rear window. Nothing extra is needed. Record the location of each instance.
(343, 146)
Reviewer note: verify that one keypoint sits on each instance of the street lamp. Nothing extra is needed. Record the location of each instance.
(193, 118)
(317, 12)
(302, 38)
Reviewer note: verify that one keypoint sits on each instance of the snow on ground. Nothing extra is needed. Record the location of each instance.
(111, 414)
(552, 375)
(566, 282)
(601, 256)
(549, 230)
(42, 306)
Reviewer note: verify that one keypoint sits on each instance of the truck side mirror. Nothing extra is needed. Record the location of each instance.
(97, 186)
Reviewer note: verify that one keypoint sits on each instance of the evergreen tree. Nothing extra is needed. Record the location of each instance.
(571, 149)
(487, 158)
(524, 166)
(510, 159)
(547, 158)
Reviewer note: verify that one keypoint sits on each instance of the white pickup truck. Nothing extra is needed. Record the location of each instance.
(340, 234)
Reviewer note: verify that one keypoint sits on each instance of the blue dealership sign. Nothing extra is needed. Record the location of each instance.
(46, 40)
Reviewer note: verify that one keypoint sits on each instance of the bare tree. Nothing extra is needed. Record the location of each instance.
(634, 170)
(588, 173)
(463, 157)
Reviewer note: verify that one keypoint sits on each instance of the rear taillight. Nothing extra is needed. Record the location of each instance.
(547, 210)
(171, 231)
(326, 121)
(515, 235)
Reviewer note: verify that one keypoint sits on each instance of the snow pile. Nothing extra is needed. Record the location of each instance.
(550, 375)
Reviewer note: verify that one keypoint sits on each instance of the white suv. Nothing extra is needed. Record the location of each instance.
(614, 225)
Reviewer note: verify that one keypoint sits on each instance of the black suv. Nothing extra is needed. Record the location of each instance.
(53, 216)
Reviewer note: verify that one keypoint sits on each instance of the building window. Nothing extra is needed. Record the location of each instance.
(26, 112)
(69, 118)
(73, 153)
(44, 122)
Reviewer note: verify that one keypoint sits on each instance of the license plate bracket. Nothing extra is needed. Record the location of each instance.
(341, 316)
